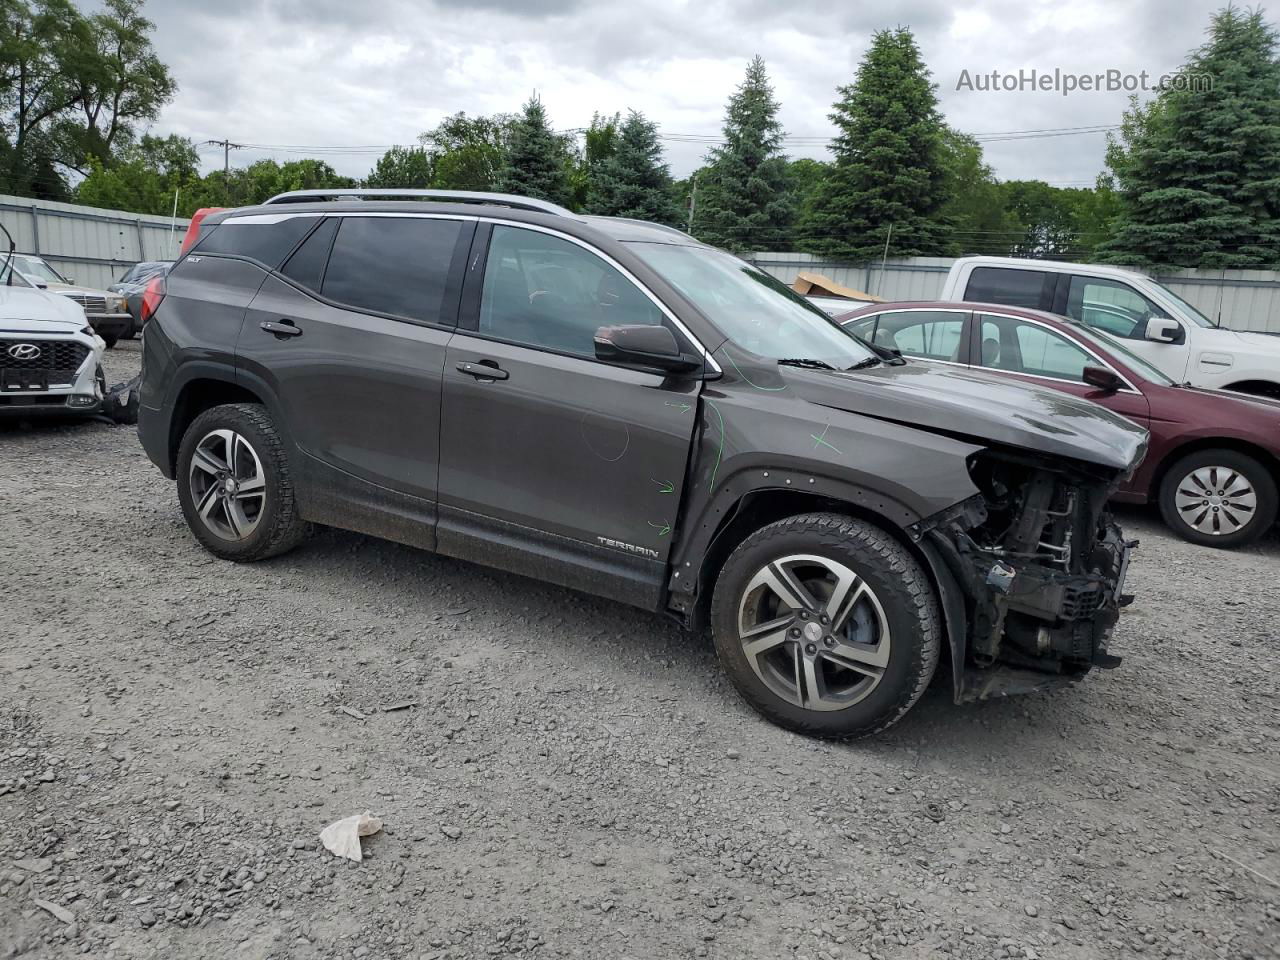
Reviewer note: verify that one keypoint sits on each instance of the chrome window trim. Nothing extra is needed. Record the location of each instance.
(1098, 361)
(267, 218)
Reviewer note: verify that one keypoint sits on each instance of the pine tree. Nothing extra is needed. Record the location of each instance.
(743, 196)
(888, 180)
(1199, 169)
(634, 180)
(537, 160)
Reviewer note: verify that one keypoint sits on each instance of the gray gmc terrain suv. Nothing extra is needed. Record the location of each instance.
(610, 405)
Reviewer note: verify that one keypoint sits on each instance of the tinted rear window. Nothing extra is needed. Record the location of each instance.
(395, 265)
(1013, 287)
(267, 243)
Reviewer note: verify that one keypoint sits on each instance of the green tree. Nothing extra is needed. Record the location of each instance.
(145, 177)
(889, 177)
(598, 144)
(635, 180)
(1199, 170)
(537, 159)
(119, 83)
(37, 41)
(975, 204)
(469, 152)
(743, 201)
(403, 167)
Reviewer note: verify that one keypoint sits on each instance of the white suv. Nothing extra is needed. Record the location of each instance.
(1153, 321)
(50, 358)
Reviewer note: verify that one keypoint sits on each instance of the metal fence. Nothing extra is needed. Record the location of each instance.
(1244, 299)
(94, 247)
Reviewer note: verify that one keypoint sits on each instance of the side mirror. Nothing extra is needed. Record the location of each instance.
(1164, 330)
(40, 284)
(1108, 381)
(643, 345)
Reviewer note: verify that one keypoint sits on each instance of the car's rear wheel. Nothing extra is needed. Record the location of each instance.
(1218, 498)
(826, 625)
(234, 484)
(110, 339)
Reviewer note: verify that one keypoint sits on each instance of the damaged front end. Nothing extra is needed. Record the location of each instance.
(1040, 567)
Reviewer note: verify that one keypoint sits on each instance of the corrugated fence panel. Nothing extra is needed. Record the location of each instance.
(1243, 299)
(94, 247)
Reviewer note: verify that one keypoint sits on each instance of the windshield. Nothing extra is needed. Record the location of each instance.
(1194, 315)
(37, 269)
(1131, 359)
(18, 278)
(754, 310)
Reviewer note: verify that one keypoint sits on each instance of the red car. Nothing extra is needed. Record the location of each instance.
(1214, 457)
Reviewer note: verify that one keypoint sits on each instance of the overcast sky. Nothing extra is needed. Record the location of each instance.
(338, 73)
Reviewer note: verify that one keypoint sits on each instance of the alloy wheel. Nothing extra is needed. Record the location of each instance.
(1216, 501)
(228, 486)
(814, 632)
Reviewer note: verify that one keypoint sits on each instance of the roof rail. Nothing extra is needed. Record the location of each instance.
(456, 196)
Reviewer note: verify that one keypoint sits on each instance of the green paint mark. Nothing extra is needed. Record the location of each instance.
(665, 486)
(662, 528)
(747, 379)
(683, 407)
(821, 441)
(720, 452)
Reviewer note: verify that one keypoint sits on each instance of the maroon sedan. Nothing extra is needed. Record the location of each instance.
(1214, 457)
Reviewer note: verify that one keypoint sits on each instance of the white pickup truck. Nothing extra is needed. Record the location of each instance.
(1153, 321)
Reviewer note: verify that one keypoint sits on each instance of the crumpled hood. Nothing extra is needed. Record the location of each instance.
(26, 308)
(979, 406)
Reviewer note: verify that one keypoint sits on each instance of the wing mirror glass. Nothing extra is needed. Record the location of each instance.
(1164, 330)
(643, 345)
(1108, 381)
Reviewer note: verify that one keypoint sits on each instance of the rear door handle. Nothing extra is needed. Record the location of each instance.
(282, 329)
(483, 371)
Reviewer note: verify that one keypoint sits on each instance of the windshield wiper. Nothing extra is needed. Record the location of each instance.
(868, 362)
(805, 362)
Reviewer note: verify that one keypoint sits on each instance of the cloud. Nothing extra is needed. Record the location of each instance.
(290, 74)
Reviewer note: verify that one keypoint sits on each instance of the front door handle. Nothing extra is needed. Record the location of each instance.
(282, 329)
(483, 370)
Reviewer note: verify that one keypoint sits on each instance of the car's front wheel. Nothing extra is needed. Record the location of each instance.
(1218, 498)
(235, 486)
(826, 625)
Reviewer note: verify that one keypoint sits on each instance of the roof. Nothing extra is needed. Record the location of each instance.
(1053, 266)
(818, 285)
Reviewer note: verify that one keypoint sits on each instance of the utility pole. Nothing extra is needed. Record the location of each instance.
(227, 146)
(693, 202)
(884, 260)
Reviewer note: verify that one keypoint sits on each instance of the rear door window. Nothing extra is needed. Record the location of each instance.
(924, 334)
(1031, 289)
(306, 266)
(393, 265)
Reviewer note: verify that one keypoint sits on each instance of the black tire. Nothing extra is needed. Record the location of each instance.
(110, 339)
(279, 528)
(905, 595)
(1261, 483)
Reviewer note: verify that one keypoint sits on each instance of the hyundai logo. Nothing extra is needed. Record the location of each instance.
(24, 351)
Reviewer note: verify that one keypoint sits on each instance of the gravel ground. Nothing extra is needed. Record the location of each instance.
(575, 778)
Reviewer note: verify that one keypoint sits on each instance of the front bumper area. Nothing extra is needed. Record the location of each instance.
(1036, 586)
(82, 396)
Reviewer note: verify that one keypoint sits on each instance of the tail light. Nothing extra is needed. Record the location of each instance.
(193, 229)
(151, 297)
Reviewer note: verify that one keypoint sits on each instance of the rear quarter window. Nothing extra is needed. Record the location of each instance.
(268, 243)
(1011, 286)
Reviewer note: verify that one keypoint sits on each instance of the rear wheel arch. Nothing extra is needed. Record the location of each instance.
(198, 394)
